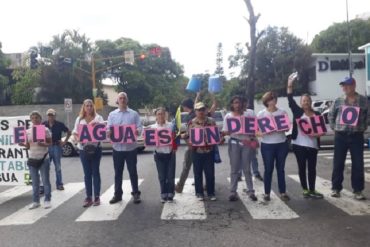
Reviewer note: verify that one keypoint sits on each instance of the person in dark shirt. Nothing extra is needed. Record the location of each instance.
(55, 150)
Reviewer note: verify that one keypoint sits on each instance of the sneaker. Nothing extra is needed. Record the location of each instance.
(178, 188)
(115, 199)
(60, 187)
(136, 197)
(96, 201)
(200, 198)
(335, 193)
(34, 205)
(212, 198)
(306, 193)
(163, 200)
(316, 195)
(233, 197)
(253, 197)
(87, 203)
(266, 197)
(47, 204)
(284, 197)
(258, 177)
(170, 199)
(359, 196)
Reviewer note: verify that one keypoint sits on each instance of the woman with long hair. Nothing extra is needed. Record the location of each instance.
(305, 147)
(90, 157)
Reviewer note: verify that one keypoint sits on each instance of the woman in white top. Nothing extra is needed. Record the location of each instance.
(240, 150)
(305, 147)
(39, 151)
(90, 160)
(165, 158)
(274, 148)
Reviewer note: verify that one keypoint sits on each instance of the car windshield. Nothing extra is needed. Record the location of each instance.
(217, 116)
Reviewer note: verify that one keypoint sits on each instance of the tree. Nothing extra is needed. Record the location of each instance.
(278, 53)
(219, 60)
(335, 38)
(4, 80)
(25, 88)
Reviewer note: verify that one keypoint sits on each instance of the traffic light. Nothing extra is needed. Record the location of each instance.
(33, 60)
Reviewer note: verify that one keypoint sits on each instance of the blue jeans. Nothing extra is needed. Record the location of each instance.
(119, 159)
(44, 171)
(355, 144)
(55, 154)
(91, 172)
(166, 167)
(274, 154)
(204, 162)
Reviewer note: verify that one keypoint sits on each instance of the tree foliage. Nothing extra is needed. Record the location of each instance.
(278, 54)
(335, 38)
(4, 80)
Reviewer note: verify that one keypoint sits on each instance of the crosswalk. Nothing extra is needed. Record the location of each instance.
(329, 155)
(184, 207)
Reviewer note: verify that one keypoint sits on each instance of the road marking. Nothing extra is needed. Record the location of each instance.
(106, 211)
(25, 216)
(11, 193)
(185, 205)
(325, 154)
(348, 157)
(346, 202)
(274, 209)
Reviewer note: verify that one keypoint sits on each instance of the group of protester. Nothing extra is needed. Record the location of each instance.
(242, 149)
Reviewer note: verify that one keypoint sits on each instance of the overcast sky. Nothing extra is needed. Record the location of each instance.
(190, 28)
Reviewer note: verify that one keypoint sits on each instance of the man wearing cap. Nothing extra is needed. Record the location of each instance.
(55, 150)
(188, 106)
(348, 119)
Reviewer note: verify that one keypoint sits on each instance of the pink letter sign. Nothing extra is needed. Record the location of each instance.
(197, 137)
(318, 125)
(20, 134)
(282, 122)
(38, 133)
(266, 124)
(213, 135)
(234, 125)
(164, 137)
(350, 115)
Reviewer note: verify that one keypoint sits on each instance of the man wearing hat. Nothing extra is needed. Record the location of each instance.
(348, 119)
(55, 150)
(188, 106)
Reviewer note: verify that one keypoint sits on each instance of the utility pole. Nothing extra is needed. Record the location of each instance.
(93, 77)
(349, 44)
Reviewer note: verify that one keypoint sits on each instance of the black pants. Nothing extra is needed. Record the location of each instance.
(306, 156)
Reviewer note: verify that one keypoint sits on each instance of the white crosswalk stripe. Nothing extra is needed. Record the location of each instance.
(106, 211)
(274, 209)
(25, 216)
(346, 202)
(13, 192)
(185, 205)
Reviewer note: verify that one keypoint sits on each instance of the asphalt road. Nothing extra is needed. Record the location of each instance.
(314, 222)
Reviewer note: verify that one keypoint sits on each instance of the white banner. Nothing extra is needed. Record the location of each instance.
(13, 158)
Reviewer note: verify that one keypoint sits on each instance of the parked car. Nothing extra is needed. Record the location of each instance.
(321, 105)
(70, 148)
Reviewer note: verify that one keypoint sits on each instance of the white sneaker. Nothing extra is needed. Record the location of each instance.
(47, 204)
(34, 205)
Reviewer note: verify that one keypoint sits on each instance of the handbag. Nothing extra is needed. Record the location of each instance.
(37, 163)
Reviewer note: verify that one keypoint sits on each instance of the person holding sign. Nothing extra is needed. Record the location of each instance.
(38, 141)
(124, 151)
(305, 144)
(203, 134)
(165, 154)
(348, 118)
(90, 152)
(274, 146)
(242, 146)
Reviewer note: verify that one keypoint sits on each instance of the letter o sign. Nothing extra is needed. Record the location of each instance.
(350, 115)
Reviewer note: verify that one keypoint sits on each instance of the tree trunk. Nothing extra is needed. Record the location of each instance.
(250, 80)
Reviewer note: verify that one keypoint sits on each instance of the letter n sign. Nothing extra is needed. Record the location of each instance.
(350, 115)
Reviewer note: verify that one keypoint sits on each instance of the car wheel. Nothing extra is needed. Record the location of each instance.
(140, 149)
(68, 150)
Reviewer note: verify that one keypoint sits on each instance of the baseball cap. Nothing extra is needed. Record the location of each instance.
(199, 105)
(51, 112)
(348, 81)
(188, 103)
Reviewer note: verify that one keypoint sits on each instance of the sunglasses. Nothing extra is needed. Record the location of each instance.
(202, 109)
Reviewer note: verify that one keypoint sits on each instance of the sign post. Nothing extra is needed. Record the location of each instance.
(68, 108)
